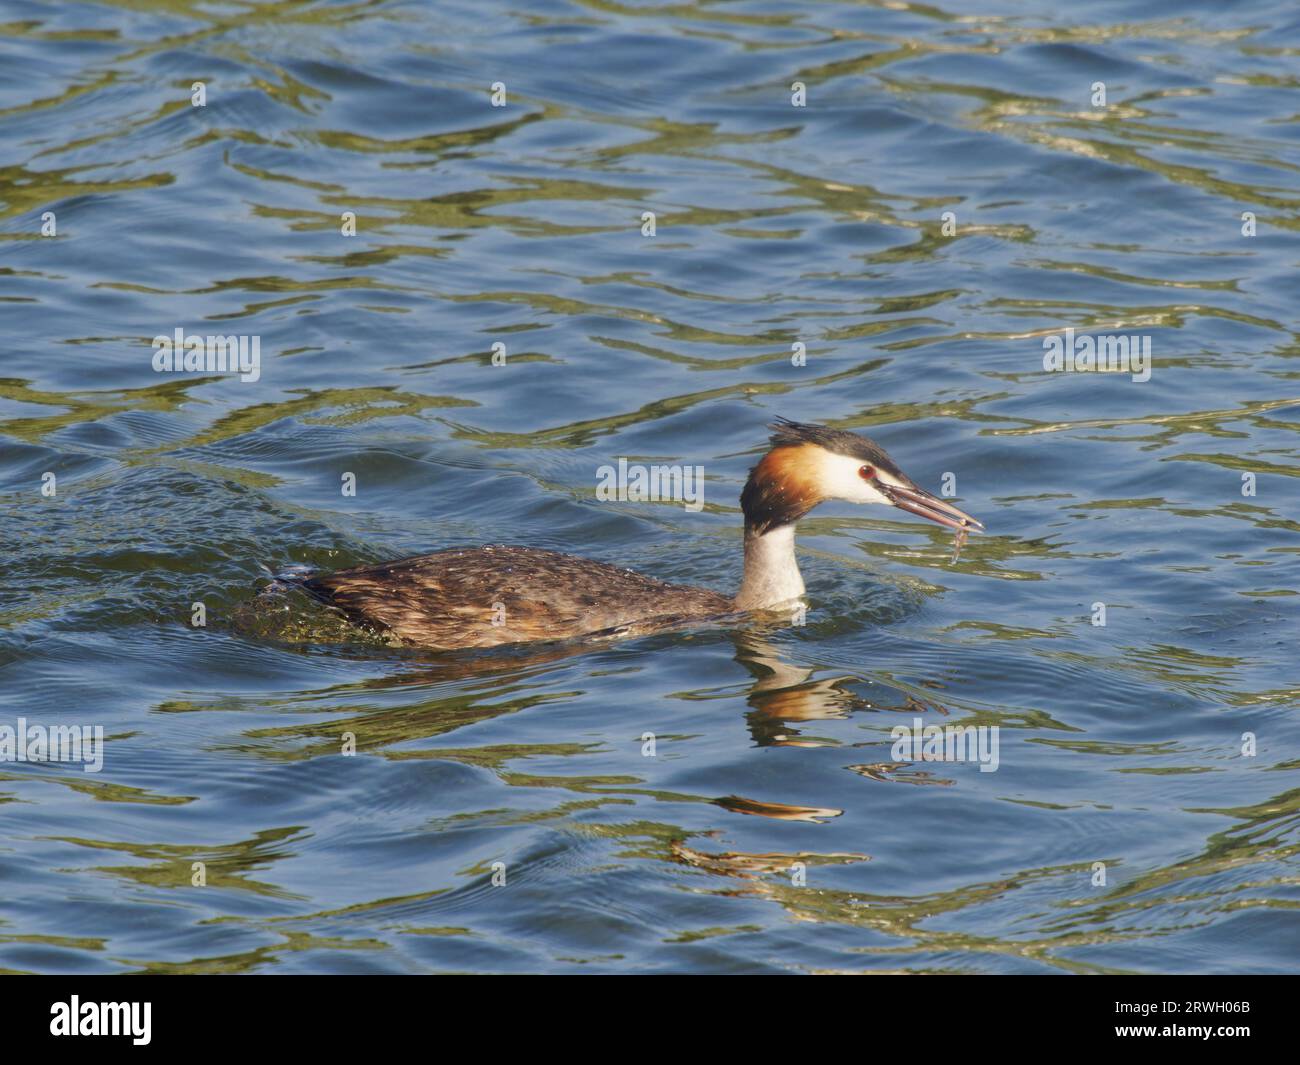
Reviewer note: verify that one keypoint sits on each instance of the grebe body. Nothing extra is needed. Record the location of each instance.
(488, 596)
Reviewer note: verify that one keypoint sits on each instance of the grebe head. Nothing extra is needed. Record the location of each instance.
(809, 464)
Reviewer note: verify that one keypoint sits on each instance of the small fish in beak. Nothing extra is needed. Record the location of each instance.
(918, 501)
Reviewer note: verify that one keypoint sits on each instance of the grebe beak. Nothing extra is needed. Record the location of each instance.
(919, 501)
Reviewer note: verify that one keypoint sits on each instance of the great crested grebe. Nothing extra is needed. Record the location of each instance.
(488, 596)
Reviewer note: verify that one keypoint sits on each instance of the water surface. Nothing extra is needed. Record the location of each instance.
(775, 225)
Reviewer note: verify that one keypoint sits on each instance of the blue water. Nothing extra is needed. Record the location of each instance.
(772, 830)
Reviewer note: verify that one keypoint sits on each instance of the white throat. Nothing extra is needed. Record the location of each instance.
(771, 573)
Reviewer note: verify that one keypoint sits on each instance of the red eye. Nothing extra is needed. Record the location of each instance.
(867, 472)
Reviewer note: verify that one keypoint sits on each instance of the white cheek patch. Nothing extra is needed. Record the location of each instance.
(841, 480)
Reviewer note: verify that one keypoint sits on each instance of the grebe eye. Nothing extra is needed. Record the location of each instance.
(867, 472)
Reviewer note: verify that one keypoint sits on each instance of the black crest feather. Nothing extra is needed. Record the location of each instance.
(786, 433)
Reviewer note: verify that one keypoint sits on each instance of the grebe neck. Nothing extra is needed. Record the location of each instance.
(772, 576)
